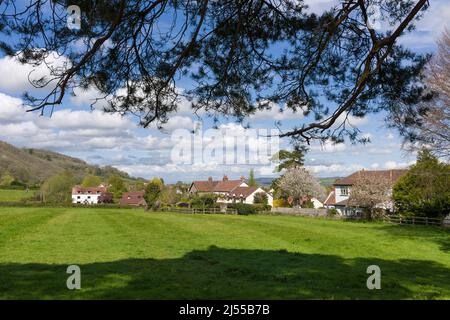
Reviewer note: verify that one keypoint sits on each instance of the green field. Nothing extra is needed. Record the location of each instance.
(7, 195)
(130, 254)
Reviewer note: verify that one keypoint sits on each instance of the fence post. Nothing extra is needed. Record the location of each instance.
(426, 220)
(413, 220)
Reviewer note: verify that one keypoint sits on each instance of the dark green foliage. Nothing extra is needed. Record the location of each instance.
(308, 204)
(425, 189)
(243, 56)
(261, 198)
(287, 159)
(244, 208)
(204, 201)
(251, 178)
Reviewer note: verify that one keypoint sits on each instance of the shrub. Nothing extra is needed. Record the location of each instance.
(308, 205)
(333, 212)
(261, 198)
(244, 208)
(280, 203)
(204, 201)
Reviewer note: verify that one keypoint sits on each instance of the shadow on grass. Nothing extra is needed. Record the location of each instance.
(219, 273)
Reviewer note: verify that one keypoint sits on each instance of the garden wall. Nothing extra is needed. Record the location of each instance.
(301, 211)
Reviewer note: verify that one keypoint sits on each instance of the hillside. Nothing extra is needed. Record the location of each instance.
(35, 165)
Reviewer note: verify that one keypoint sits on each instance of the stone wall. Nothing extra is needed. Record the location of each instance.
(301, 212)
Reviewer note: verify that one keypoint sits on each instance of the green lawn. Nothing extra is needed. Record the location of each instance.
(7, 195)
(131, 254)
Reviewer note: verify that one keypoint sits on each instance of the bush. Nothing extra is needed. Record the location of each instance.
(280, 203)
(308, 205)
(333, 212)
(244, 208)
(261, 198)
(204, 201)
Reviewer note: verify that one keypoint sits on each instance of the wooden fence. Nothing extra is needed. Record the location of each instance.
(413, 220)
(201, 211)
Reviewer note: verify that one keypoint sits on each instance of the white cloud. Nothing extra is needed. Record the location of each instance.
(16, 76)
(276, 113)
(329, 146)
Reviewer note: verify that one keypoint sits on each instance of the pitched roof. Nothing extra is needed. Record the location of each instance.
(331, 199)
(210, 185)
(393, 175)
(205, 186)
(227, 186)
(88, 190)
(133, 198)
(243, 191)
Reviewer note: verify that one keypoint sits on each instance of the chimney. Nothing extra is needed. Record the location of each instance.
(390, 175)
(225, 178)
(242, 178)
(210, 179)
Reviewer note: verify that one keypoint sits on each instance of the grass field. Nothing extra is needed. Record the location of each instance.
(131, 254)
(7, 195)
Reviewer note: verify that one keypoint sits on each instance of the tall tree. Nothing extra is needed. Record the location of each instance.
(288, 159)
(57, 188)
(133, 52)
(299, 183)
(425, 189)
(433, 129)
(251, 178)
(153, 191)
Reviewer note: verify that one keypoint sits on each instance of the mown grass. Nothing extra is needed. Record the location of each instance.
(132, 254)
(7, 195)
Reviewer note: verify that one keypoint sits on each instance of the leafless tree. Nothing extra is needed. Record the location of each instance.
(434, 129)
(299, 183)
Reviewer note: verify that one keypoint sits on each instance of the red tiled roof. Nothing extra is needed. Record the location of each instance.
(392, 175)
(227, 186)
(243, 191)
(205, 186)
(133, 198)
(88, 190)
(217, 186)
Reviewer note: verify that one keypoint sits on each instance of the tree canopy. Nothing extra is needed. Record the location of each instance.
(241, 56)
(425, 189)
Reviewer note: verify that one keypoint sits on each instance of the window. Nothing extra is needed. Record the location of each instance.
(78, 197)
(344, 191)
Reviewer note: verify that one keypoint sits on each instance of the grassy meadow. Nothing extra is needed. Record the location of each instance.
(133, 254)
(11, 195)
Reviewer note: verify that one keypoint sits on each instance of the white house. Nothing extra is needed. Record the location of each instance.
(338, 197)
(245, 195)
(91, 195)
(229, 191)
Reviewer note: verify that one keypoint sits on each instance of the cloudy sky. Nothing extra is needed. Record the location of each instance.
(107, 139)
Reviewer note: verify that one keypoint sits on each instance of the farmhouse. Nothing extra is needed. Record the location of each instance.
(91, 195)
(338, 197)
(229, 191)
(133, 198)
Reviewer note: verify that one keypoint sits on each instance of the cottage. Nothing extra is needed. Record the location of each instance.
(91, 195)
(338, 197)
(133, 198)
(229, 191)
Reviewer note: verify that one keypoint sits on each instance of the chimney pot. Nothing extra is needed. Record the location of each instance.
(225, 178)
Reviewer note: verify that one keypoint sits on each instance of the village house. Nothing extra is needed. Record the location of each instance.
(229, 191)
(133, 198)
(339, 196)
(91, 195)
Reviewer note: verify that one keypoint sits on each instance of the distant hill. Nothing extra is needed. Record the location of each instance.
(328, 181)
(35, 165)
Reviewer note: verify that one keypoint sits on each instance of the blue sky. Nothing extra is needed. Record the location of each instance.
(113, 140)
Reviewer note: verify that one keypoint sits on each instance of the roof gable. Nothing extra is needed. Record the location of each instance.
(392, 175)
